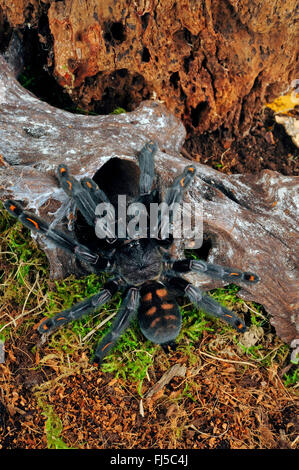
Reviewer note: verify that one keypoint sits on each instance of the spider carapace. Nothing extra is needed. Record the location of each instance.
(140, 266)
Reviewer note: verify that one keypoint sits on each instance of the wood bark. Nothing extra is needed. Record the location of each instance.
(250, 220)
(213, 63)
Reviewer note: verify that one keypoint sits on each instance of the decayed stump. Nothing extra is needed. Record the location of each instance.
(251, 220)
(213, 63)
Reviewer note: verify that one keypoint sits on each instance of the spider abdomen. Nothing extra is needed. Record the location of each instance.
(159, 315)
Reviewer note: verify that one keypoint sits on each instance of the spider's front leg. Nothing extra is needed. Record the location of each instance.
(122, 320)
(82, 195)
(206, 303)
(49, 325)
(173, 197)
(59, 238)
(147, 167)
(175, 192)
(95, 192)
(215, 271)
(86, 194)
(88, 197)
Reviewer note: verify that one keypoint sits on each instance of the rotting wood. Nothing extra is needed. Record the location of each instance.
(213, 63)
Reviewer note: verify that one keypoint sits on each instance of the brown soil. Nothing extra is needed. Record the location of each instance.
(265, 146)
(223, 401)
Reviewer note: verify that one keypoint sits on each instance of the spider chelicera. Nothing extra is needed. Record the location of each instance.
(142, 268)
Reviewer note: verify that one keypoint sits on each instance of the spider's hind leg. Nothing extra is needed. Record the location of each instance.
(122, 320)
(49, 325)
(206, 303)
(215, 271)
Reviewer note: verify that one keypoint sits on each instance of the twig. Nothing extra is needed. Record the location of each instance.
(98, 326)
(254, 311)
(186, 154)
(207, 434)
(193, 374)
(23, 314)
(141, 409)
(227, 360)
(177, 370)
(295, 442)
(29, 293)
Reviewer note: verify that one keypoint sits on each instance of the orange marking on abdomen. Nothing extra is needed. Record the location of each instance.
(34, 223)
(182, 182)
(88, 184)
(167, 306)
(12, 207)
(154, 322)
(234, 274)
(161, 292)
(170, 317)
(106, 345)
(252, 278)
(147, 297)
(151, 311)
(70, 184)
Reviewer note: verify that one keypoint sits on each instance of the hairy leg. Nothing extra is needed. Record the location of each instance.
(206, 303)
(173, 197)
(215, 271)
(58, 237)
(147, 168)
(49, 325)
(122, 320)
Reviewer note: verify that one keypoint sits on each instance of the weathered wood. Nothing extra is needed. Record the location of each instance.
(177, 370)
(251, 220)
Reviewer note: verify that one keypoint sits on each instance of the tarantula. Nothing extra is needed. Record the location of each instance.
(142, 267)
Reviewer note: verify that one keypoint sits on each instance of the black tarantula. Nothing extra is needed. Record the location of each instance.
(142, 267)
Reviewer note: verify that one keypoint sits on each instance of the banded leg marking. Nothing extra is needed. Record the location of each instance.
(122, 320)
(49, 325)
(58, 237)
(82, 197)
(207, 303)
(215, 271)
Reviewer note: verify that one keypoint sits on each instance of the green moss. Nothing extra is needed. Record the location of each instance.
(292, 377)
(28, 78)
(131, 357)
(53, 427)
(119, 111)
